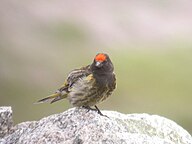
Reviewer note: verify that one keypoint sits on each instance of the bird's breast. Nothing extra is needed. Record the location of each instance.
(86, 91)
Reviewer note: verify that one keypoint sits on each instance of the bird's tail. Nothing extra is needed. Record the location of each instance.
(52, 98)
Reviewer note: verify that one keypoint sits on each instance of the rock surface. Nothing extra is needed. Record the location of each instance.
(6, 121)
(77, 126)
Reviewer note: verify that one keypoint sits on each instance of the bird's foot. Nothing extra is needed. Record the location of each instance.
(89, 108)
(99, 112)
(96, 109)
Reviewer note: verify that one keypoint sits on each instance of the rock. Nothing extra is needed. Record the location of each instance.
(6, 121)
(77, 126)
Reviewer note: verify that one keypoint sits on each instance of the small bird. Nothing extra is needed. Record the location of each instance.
(87, 86)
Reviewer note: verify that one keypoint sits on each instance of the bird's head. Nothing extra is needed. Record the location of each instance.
(100, 59)
(102, 63)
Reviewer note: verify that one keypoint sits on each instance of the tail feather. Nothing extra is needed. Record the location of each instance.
(50, 98)
(57, 99)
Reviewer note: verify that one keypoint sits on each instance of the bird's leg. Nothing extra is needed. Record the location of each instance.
(96, 109)
(89, 108)
(99, 112)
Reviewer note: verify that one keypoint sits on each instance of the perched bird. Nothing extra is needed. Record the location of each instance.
(87, 86)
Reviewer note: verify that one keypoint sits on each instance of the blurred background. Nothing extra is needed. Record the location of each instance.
(149, 42)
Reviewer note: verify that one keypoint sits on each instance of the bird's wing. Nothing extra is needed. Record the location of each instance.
(75, 75)
(64, 89)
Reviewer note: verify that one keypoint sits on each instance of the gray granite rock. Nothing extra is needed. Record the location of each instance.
(6, 121)
(77, 126)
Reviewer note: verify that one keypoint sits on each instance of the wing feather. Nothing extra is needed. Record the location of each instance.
(77, 74)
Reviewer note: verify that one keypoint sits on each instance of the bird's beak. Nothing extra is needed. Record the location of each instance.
(98, 64)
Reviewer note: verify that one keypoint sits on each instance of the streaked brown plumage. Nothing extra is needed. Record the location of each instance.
(88, 85)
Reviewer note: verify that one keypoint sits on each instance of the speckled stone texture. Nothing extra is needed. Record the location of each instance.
(6, 121)
(78, 126)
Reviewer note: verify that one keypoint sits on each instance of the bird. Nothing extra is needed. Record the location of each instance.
(87, 86)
